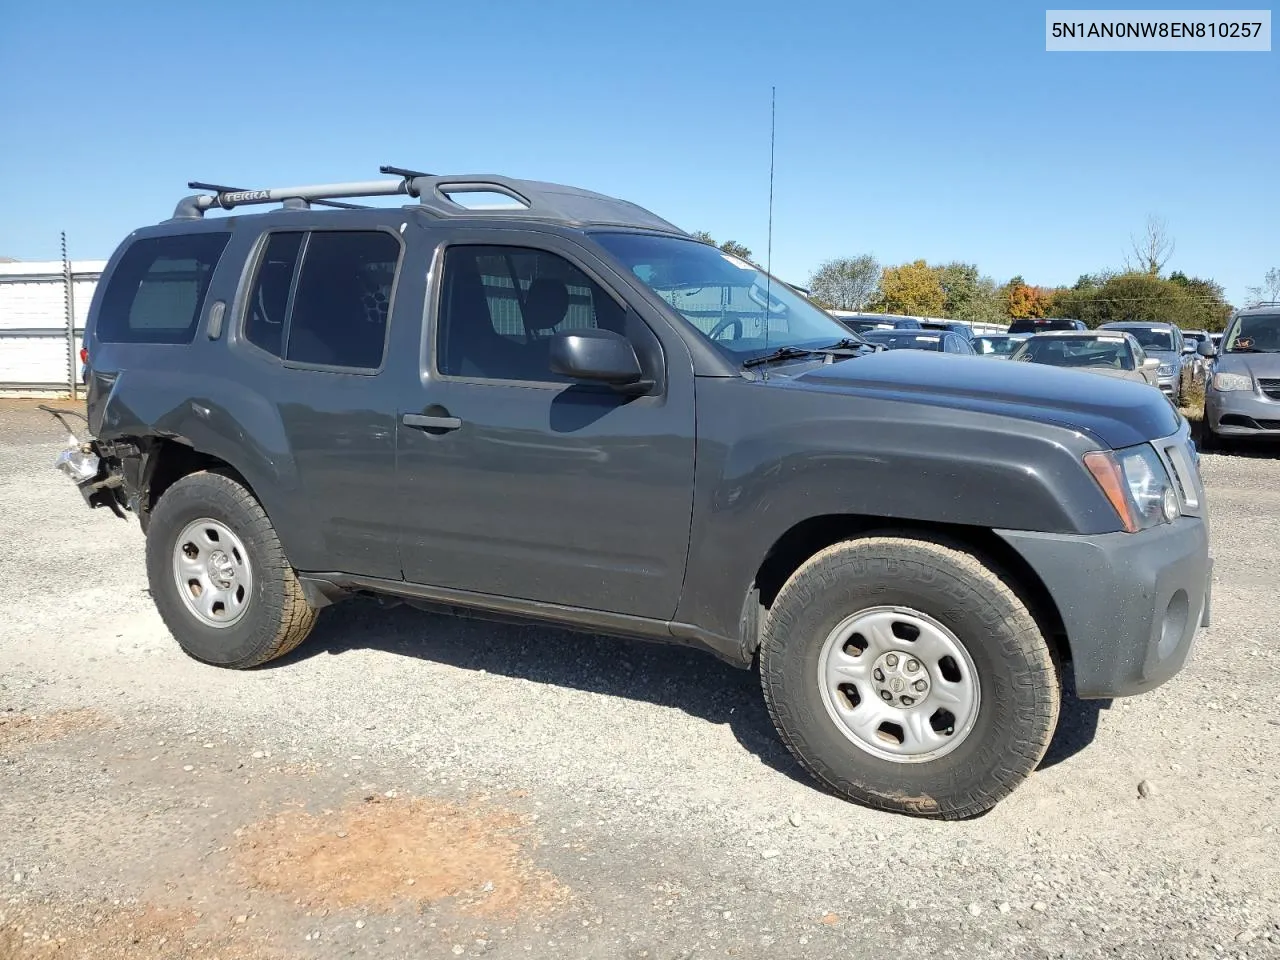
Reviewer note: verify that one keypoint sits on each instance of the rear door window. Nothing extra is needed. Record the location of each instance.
(157, 290)
(343, 299)
(323, 298)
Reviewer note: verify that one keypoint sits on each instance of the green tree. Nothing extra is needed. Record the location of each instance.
(846, 283)
(736, 249)
(1143, 297)
(967, 295)
(702, 237)
(912, 289)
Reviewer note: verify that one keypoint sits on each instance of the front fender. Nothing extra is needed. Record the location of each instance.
(771, 458)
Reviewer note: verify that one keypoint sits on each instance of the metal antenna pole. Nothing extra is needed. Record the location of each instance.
(768, 253)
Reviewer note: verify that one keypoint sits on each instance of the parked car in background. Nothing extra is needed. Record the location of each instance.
(1191, 340)
(861, 322)
(1110, 354)
(951, 326)
(997, 345)
(1164, 342)
(1242, 389)
(1044, 324)
(1216, 340)
(941, 341)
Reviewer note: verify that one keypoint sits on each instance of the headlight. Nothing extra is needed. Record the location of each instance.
(1137, 485)
(1165, 370)
(1232, 381)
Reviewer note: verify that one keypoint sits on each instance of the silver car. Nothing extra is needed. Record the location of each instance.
(1164, 342)
(1106, 352)
(1242, 390)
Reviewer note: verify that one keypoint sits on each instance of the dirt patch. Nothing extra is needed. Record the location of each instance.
(25, 729)
(382, 853)
(62, 932)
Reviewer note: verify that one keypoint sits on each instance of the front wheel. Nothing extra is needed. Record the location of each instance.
(219, 576)
(908, 675)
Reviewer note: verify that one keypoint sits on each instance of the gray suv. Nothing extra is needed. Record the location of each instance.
(1242, 387)
(1163, 342)
(560, 408)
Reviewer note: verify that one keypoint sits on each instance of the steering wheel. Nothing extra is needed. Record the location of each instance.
(725, 324)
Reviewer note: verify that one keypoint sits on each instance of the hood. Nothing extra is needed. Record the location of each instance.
(1254, 364)
(1118, 412)
(1164, 356)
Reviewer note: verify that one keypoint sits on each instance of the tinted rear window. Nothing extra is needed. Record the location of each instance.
(157, 290)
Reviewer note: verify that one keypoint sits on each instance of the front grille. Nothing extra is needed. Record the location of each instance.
(1269, 386)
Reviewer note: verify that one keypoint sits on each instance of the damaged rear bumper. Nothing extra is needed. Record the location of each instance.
(96, 473)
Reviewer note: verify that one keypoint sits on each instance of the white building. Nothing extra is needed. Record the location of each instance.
(38, 355)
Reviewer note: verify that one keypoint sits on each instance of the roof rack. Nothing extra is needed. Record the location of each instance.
(526, 199)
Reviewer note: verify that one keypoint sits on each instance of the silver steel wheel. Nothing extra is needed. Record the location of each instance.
(899, 684)
(212, 573)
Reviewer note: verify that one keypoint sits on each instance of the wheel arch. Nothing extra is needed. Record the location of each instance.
(810, 536)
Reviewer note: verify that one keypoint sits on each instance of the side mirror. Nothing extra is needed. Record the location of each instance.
(1150, 363)
(601, 356)
(1207, 349)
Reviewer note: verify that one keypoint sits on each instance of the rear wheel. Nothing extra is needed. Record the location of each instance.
(219, 576)
(908, 675)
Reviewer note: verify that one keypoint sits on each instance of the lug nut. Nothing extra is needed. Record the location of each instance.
(920, 685)
(891, 660)
(912, 666)
(879, 674)
(907, 701)
(886, 694)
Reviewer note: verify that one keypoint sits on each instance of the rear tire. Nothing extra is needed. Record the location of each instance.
(976, 651)
(219, 576)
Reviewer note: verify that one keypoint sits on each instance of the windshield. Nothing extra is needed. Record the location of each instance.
(724, 297)
(998, 346)
(1151, 339)
(904, 339)
(1256, 334)
(1110, 352)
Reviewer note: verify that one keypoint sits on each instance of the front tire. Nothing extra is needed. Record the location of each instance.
(907, 675)
(219, 576)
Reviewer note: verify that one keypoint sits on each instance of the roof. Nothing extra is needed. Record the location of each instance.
(442, 196)
(1137, 325)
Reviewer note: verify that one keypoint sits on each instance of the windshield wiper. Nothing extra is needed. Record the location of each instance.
(782, 353)
(1248, 350)
(848, 343)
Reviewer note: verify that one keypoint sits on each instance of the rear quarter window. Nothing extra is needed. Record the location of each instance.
(157, 290)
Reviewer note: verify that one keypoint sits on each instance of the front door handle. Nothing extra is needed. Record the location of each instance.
(431, 423)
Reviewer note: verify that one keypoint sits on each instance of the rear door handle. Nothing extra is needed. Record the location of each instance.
(431, 423)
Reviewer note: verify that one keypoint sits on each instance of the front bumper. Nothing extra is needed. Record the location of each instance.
(1242, 413)
(1131, 602)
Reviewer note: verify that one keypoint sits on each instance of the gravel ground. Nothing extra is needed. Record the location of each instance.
(637, 800)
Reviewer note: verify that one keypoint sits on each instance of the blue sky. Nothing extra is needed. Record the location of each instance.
(908, 130)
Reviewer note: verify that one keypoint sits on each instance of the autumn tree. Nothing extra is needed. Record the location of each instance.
(846, 283)
(912, 289)
(1023, 301)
